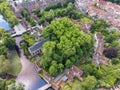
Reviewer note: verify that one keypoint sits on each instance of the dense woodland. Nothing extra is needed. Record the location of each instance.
(67, 44)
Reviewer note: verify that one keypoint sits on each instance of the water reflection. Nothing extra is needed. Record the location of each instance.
(4, 24)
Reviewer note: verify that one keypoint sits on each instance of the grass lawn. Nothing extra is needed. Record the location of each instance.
(15, 63)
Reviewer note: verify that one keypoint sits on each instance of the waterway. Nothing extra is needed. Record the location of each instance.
(3, 23)
(28, 74)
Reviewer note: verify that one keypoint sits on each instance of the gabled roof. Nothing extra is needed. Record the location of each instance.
(37, 45)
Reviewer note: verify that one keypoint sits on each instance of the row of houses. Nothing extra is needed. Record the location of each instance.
(73, 72)
(32, 5)
(84, 26)
(101, 9)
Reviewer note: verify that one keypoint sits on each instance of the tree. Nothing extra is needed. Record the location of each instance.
(77, 87)
(111, 74)
(110, 53)
(4, 65)
(1, 32)
(25, 13)
(115, 60)
(53, 70)
(112, 37)
(45, 62)
(32, 22)
(68, 63)
(4, 83)
(8, 41)
(65, 40)
(2, 1)
(8, 14)
(89, 83)
(25, 48)
(3, 50)
(48, 48)
(55, 6)
(61, 67)
(15, 86)
(41, 20)
(28, 38)
(99, 26)
(88, 69)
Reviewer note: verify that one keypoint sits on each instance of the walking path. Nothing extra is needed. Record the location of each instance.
(28, 75)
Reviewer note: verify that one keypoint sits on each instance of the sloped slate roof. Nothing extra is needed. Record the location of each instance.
(37, 45)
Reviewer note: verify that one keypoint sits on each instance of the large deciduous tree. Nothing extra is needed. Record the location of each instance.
(3, 50)
(14, 86)
(89, 83)
(8, 41)
(4, 65)
(110, 53)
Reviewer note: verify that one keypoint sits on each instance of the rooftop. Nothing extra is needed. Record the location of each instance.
(101, 9)
(37, 45)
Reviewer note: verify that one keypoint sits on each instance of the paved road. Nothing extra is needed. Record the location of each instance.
(28, 75)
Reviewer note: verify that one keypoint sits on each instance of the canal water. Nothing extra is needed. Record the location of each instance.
(4, 24)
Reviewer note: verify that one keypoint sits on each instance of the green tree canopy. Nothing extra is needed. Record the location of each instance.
(4, 83)
(67, 43)
(8, 14)
(89, 83)
(6, 42)
(100, 26)
(4, 65)
(14, 86)
(3, 50)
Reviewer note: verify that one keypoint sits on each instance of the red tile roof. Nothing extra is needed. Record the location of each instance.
(104, 9)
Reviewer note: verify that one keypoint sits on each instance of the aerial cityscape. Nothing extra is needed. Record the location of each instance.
(59, 44)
